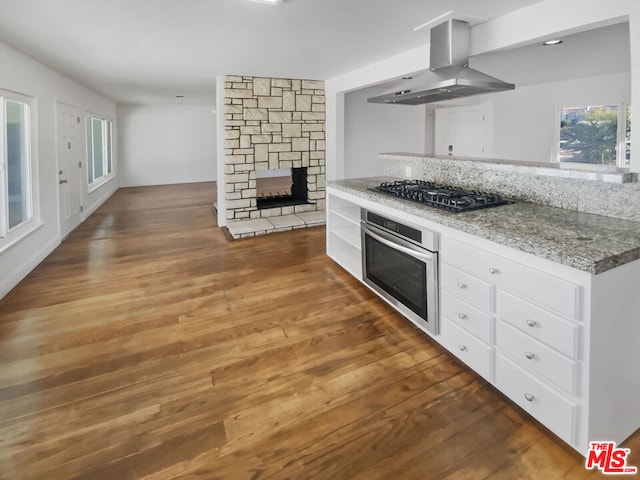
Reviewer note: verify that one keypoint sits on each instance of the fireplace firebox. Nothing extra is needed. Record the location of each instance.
(281, 188)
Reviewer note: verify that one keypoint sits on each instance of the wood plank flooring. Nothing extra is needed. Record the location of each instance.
(149, 347)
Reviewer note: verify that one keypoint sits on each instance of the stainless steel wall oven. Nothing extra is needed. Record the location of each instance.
(400, 262)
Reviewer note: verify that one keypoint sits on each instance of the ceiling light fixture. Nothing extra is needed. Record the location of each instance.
(551, 42)
(269, 2)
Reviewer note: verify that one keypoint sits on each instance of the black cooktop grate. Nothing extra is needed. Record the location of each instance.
(445, 197)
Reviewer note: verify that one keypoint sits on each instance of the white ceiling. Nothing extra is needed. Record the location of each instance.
(600, 51)
(149, 51)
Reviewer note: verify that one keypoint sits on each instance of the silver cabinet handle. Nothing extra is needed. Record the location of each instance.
(462, 316)
(62, 181)
(493, 271)
(532, 323)
(529, 397)
(529, 355)
(461, 285)
(462, 348)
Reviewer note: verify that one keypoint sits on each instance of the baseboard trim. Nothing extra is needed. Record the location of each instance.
(98, 203)
(8, 284)
(13, 280)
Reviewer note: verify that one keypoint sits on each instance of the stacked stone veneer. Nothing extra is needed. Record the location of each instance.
(272, 123)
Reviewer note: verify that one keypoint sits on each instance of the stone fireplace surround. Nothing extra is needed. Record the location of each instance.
(272, 123)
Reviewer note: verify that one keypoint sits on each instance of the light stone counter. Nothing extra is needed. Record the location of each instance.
(592, 192)
(585, 241)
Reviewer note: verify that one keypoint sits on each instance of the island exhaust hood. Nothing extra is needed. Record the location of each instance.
(449, 76)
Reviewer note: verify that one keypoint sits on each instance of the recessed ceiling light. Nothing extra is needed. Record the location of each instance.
(551, 42)
(269, 2)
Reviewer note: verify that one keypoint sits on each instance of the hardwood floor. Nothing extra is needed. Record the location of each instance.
(149, 347)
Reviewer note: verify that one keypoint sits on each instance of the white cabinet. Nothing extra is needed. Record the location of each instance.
(564, 340)
(547, 290)
(560, 342)
(538, 358)
(466, 318)
(467, 347)
(544, 403)
(536, 334)
(467, 287)
(477, 322)
(539, 323)
(343, 234)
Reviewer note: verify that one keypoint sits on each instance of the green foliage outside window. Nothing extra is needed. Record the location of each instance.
(590, 136)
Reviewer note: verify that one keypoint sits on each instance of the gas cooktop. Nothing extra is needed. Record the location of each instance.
(446, 197)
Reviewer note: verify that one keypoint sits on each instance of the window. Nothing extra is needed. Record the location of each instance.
(99, 161)
(596, 135)
(16, 206)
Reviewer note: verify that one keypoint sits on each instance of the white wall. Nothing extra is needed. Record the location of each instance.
(336, 88)
(22, 74)
(163, 144)
(539, 21)
(221, 204)
(371, 128)
(524, 123)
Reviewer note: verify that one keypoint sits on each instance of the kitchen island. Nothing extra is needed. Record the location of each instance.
(541, 301)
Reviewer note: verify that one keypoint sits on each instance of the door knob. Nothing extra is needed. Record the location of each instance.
(62, 181)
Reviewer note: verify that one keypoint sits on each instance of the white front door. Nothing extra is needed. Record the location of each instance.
(69, 158)
(461, 131)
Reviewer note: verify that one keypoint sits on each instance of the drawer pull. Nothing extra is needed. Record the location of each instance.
(529, 355)
(529, 397)
(462, 348)
(532, 323)
(462, 316)
(493, 271)
(462, 285)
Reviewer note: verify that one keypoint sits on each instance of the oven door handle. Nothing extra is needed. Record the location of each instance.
(395, 246)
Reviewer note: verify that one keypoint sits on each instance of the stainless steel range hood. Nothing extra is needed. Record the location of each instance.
(450, 76)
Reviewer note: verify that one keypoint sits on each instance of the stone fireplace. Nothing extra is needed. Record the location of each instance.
(274, 147)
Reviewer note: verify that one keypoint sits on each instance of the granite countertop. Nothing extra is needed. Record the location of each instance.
(588, 242)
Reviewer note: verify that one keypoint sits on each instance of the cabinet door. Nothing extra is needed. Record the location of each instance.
(466, 286)
(544, 403)
(470, 318)
(537, 357)
(557, 294)
(538, 323)
(473, 352)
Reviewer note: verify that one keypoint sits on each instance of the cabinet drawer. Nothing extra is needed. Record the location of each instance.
(553, 292)
(546, 327)
(548, 406)
(470, 318)
(467, 348)
(537, 357)
(467, 286)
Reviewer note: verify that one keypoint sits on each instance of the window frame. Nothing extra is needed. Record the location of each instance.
(108, 165)
(10, 235)
(621, 161)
